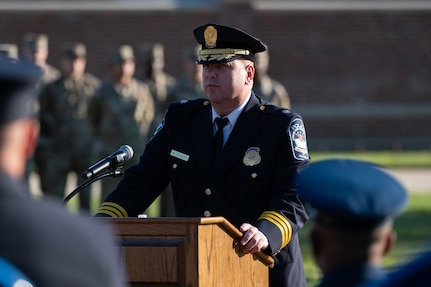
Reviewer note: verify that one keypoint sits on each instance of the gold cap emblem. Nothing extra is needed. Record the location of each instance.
(210, 35)
(252, 156)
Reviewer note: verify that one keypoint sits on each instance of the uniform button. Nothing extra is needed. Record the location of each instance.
(254, 175)
(174, 166)
(207, 213)
(262, 108)
(207, 191)
(206, 103)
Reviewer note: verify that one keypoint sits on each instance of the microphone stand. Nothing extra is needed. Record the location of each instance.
(114, 173)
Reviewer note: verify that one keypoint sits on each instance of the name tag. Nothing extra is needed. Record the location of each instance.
(180, 155)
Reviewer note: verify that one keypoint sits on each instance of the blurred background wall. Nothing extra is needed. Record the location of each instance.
(359, 72)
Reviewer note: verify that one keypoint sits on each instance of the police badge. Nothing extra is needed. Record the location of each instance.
(252, 156)
(210, 35)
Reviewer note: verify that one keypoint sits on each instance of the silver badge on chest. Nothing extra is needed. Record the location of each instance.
(252, 156)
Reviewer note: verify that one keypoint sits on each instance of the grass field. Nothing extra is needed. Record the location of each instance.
(392, 159)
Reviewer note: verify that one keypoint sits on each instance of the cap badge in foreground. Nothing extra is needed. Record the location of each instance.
(210, 35)
(252, 156)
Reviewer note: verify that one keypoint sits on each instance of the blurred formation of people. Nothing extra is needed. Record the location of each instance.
(152, 63)
(121, 111)
(265, 86)
(189, 83)
(66, 134)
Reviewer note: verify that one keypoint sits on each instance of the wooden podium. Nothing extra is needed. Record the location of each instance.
(187, 252)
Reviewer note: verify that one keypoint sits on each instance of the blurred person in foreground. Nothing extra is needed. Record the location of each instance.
(43, 240)
(416, 272)
(66, 137)
(121, 111)
(264, 85)
(242, 171)
(355, 203)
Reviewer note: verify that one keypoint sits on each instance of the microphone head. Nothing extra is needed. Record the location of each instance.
(128, 151)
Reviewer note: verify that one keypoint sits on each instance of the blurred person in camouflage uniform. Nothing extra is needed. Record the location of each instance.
(65, 141)
(35, 49)
(189, 84)
(265, 86)
(161, 85)
(121, 111)
(153, 73)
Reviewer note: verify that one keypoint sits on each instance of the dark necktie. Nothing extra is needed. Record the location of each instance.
(218, 139)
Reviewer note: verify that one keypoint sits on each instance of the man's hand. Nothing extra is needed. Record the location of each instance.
(252, 240)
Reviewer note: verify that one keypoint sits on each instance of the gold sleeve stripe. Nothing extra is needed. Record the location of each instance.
(113, 209)
(282, 223)
(286, 224)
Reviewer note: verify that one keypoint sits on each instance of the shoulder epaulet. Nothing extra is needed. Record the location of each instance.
(273, 109)
(191, 103)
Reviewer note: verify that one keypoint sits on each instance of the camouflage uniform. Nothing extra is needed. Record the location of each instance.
(189, 84)
(32, 44)
(161, 86)
(66, 137)
(34, 48)
(266, 87)
(121, 114)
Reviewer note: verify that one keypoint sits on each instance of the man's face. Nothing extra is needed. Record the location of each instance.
(73, 68)
(36, 56)
(225, 82)
(123, 70)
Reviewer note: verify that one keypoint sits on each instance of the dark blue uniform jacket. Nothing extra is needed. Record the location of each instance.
(250, 182)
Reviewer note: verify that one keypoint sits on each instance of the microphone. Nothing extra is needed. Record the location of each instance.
(112, 161)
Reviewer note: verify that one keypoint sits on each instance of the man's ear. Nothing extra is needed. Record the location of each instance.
(31, 137)
(250, 73)
(391, 239)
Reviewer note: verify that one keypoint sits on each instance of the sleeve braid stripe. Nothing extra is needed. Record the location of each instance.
(112, 209)
(281, 223)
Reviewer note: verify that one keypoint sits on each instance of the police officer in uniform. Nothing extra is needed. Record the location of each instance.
(66, 137)
(243, 171)
(355, 203)
(413, 273)
(43, 240)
